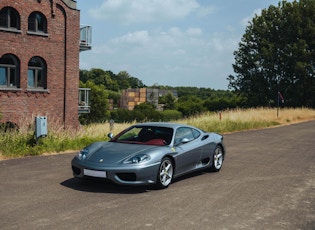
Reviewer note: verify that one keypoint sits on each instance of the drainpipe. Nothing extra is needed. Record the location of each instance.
(65, 66)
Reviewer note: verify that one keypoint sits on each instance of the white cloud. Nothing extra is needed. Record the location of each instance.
(180, 52)
(176, 56)
(206, 10)
(143, 11)
(194, 32)
(245, 21)
(138, 37)
(221, 44)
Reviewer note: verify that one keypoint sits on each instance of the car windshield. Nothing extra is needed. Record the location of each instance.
(148, 135)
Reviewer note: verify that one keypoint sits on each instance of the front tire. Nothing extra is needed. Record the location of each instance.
(218, 158)
(165, 173)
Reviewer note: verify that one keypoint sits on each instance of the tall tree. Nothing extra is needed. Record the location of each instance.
(277, 54)
(125, 80)
(98, 102)
(168, 100)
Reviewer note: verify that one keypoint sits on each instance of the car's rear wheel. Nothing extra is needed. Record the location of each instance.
(217, 159)
(165, 173)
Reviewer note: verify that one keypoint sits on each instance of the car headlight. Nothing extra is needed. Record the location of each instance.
(83, 154)
(138, 159)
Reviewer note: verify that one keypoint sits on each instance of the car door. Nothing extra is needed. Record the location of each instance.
(188, 151)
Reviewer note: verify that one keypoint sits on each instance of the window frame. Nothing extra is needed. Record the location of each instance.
(10, 17)
(39, 70)
(34, 24)
(8, 68)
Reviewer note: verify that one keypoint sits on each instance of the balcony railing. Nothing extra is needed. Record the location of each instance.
(85, 37)
(84, 100)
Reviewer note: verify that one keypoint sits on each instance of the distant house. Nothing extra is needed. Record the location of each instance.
(39, 61)
(132, 97)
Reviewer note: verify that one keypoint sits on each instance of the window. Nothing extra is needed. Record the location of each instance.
(147, 135)
(9, 18)
(37, 73)
(9, 71)
(37, 23)
(184, 133)
(196, 133)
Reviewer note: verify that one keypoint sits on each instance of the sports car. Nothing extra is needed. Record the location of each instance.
(151, 153)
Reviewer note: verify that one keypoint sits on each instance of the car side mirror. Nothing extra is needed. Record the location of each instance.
(184, 140)
(110, 135)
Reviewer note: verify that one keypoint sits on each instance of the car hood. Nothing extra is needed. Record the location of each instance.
(112, 152)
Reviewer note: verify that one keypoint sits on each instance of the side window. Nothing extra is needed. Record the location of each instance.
(183, 132)
(37, 73)
(196, 133)
(9, 71)
(9, 18)
(37, 23)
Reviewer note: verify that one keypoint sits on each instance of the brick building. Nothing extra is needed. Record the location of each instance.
(39, 61)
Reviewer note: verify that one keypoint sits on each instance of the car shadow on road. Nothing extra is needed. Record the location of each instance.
(98, 185)
(95, 185)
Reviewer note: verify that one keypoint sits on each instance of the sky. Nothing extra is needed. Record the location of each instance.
(168, 42)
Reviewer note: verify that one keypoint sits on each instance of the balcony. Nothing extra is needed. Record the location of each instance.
(84, 100)
(85, 38)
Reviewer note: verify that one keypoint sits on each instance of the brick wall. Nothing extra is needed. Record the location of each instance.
(60, 50)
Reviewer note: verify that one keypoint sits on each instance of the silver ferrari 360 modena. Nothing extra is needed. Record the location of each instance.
(151, 153)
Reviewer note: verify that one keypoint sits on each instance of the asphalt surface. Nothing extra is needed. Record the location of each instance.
(267, 182)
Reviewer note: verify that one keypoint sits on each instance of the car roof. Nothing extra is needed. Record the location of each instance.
(164, 124)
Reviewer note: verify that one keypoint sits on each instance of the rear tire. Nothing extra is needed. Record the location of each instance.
(218, 158)
(165, 173)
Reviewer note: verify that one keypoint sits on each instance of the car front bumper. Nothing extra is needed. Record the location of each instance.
(128, 174)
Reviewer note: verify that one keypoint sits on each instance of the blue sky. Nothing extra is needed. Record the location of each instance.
(168, 42)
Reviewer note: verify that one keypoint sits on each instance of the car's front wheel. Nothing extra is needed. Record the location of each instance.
(218, 158)
(165, 173)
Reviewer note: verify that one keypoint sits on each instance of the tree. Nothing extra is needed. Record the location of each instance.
(84, 75)
(110, 80)
(115, 97)
(98, 102)
(121, 115)
(168, 100)
(99, 77)
(126, 81)
(190, 105)
(223, 103)
(135, 83)
(277, 54)
(146, 112)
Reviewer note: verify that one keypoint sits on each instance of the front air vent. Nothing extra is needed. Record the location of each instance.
(127, 176)
(76, 170)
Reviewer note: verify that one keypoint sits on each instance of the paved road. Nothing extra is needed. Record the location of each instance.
(267, 182)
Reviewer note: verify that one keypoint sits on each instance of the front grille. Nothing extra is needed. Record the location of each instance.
(127, 176)
(76, 170)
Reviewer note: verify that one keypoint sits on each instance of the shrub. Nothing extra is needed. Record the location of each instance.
(168, 115)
